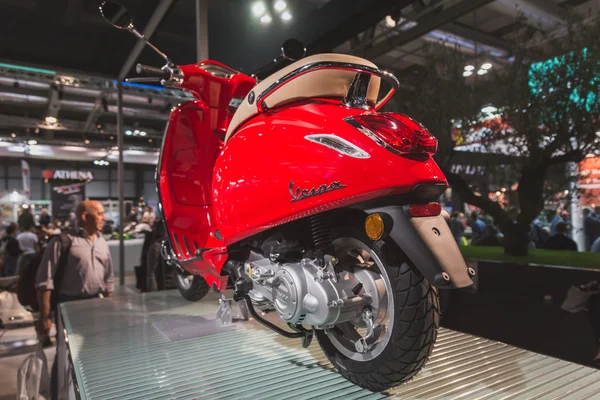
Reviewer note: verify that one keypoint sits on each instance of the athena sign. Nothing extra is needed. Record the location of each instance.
(67, 175)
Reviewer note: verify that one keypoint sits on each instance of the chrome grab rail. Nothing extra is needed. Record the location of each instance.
(386, 76)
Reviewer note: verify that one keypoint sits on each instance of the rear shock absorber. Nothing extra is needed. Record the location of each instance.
(321, 236)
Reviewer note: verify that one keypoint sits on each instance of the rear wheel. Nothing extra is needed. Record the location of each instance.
(405, 317)
(192, 287)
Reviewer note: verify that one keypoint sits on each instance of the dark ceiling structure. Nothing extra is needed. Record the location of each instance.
(81, 55)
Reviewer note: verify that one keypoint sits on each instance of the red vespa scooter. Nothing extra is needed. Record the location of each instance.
(296, 193)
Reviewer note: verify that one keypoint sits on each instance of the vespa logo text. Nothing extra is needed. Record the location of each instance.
(301, 194)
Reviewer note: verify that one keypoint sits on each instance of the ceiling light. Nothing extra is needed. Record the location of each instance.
(74, 148)
(32, 142)
(128, 132)
(86, 141)
(51, 120)
(96, 162)
(111, 138)
(482, 72)
(467, 73)
(136, 132)
(266, 19)
(286, 16)
(258, 8)
(13, 135)
(489, 109)
(16, 149)
(149, 140)
(280, 5)
(469, 68)
(390, 22)
(142, 133)
(486, 66)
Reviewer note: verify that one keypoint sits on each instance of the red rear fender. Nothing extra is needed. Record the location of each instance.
(269, 173)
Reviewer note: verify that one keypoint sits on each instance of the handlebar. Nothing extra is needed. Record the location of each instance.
(152, 72)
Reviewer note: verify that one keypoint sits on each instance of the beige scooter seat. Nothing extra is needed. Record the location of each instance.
(318, 83)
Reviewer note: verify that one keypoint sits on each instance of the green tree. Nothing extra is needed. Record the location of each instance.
(551, 111)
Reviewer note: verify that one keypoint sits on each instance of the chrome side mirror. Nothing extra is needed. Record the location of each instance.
(116, 15)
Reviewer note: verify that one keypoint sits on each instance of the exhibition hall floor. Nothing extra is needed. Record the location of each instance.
(157, 345)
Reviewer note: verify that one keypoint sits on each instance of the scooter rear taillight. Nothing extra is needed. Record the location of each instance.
(397, 132)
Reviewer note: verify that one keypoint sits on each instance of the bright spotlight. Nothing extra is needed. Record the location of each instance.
(390, 22)
(486, 66)
(467, 73)
(51, 120)
(13, 135)
(142, 133)
(469, 68)
(266, 19)
(258, 8)
(489, 109)
(280, 5)
(86, 141)
(482, 72)
(286, 16)
(128, 132)
(32, 142)
(96, 162)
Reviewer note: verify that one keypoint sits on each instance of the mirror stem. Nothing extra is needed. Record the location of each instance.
(131, 29)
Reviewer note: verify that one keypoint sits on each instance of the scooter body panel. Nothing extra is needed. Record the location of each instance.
(269, 174)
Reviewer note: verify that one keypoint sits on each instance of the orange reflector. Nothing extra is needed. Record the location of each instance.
(425, 210)
(374, 226)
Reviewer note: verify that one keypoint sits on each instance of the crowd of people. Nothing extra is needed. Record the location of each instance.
(551, 230)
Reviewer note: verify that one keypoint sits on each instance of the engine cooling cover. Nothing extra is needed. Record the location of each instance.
(303, 293)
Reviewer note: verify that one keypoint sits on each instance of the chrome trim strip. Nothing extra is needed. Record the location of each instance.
(386, 76)
(325, 139)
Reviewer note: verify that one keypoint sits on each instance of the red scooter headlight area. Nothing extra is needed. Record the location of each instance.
(397, 132)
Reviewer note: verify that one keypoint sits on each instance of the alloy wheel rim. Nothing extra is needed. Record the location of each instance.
(344, 335)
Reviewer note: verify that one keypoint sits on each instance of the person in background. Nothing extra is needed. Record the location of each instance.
(560, 241)
(596, 246)
(539, 231)
(10, 251)
(88, 272)
(560, 216)
(26, 221)
(51, 229)
(133, 216)
(73, 224)
(148, 217)
(478, 227)
(591, 228)
(28, 243)
(108, 228)
(457, 227)
(45, 218)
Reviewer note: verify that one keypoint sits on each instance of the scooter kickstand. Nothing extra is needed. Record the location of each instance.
(224, 311)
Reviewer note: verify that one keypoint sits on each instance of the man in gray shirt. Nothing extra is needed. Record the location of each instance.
(88, 272)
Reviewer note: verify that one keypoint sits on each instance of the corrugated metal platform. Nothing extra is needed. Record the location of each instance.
(118, 353)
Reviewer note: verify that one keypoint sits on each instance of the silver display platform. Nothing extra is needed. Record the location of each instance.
(141, 347)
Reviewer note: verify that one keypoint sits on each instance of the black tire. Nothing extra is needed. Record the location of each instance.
(414, 331)
(196, 291)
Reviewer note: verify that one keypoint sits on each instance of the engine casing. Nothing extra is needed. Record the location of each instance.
(304, 293)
